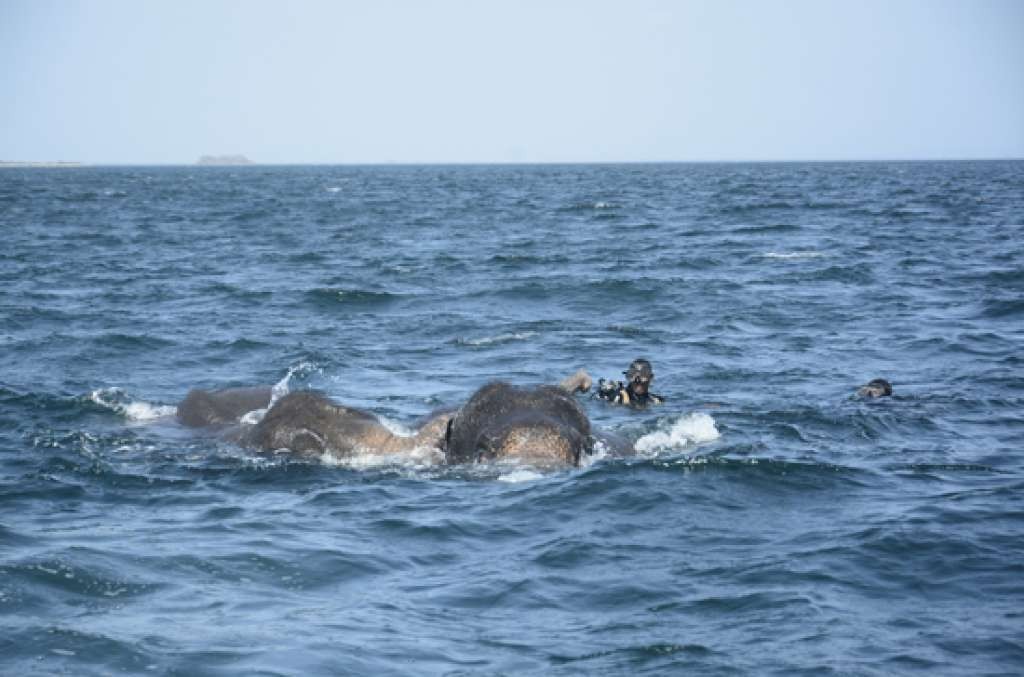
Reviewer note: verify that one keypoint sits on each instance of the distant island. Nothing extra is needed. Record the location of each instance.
(39, 164)
(224, 160)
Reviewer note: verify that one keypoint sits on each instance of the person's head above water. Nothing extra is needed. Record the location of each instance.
(639, 376)
(635, 392)
(877, 387)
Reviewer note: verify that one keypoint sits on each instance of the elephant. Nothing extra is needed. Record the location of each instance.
(305, 422)
(224, 407)
(308, 422)
(543, 425)
(540, 425)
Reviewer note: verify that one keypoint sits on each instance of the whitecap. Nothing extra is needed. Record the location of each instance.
(689, 429)
(500, 338)
(115, 400)
(520, 475)
(333, 189)
(810, 254)
(144, 411)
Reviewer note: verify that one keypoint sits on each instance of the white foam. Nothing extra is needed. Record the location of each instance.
(793, 255)
(500, 338)
(417, 458)
(520, 475)
(253, 417)
(144, 411)
(599, 453)
(115, 400)
(333, 189)
(689, 429)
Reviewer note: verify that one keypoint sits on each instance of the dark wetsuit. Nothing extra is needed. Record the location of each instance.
(617, 392)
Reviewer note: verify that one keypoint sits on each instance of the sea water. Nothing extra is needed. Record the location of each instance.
(771, 523)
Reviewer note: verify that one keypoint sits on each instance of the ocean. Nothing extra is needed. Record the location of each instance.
(772, 523)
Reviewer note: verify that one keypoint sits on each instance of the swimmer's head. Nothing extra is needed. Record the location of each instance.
(640, 374)
(877, 387)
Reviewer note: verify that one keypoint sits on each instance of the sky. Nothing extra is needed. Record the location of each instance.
(463, 81)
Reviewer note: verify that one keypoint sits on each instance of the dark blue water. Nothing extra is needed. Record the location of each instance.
(774, 523)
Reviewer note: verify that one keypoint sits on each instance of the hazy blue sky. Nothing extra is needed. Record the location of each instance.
(453, 81)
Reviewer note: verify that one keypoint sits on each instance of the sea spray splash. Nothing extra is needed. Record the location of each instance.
(117, 401)
(279, 390)
(689, 429)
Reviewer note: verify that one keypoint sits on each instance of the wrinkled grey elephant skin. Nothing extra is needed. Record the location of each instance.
(304, 422)
(542, 426)
(309, 423)
(202, 408)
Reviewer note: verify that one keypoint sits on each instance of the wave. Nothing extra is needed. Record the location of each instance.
(419, 458)
(927, 468)
(516, 260)
(332, 296)
(850, 274)
(520, 475)
(1001, 308)
(597, 205)
(1013, 276)
(495, 340)
(766, 229)
(235, 291)
(117, 401)
(757, 466)
(809, 254)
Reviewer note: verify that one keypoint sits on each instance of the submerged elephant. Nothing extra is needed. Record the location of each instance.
(224, 407)
(540, 425)
(306, 422)
(309, 422)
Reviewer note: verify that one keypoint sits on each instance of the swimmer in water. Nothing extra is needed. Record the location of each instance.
(636, 391)
(878, 387)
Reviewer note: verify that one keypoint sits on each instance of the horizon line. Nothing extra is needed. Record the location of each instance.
(26, 164)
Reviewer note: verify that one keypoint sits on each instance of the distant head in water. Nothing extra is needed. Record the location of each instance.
(877, 387)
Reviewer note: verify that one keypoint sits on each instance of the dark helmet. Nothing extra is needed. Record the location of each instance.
(640, 369)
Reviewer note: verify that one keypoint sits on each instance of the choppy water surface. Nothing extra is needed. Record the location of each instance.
(773, 524)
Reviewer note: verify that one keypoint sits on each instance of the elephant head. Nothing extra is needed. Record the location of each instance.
(542, 426)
